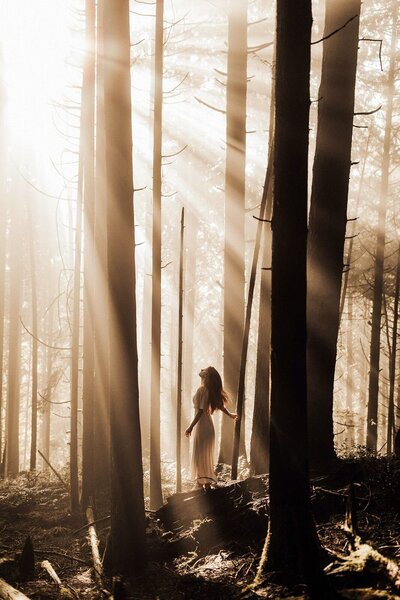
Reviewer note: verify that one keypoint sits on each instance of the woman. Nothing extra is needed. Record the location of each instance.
(209, 397)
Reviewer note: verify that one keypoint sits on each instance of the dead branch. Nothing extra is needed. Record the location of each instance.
(335, 31)
(94, 545)
(175, 153)
(7, 592)
(41, 341)
(220, 110)
(380, 47)
(53, 469)
(368, 112)
(252, 49)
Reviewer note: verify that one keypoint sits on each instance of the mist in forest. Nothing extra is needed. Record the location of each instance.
(123, 274)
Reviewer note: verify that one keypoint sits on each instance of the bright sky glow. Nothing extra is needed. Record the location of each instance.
(35, 40)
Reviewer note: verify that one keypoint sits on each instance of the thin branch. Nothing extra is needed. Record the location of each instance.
(368, 112)
(220, 110)
(41, 341)
(335, 31)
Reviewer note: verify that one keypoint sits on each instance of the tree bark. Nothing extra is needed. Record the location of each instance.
(375, 349)
(14, 346)
(235, 178)
(393, 356)
(179, 374)
(88, 384)
(101, 422)
(291, 545)
(328, 219)
(34, 373)
(155, 451)
(127, 501)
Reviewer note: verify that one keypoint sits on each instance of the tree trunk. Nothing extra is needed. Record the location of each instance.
(101, 422)
(88, 385)
(292, 545)
(189, 314)
(375, 350)
(155, 453)
(14, 346)
(179, 375)
(34, 372)
(350, 375)
(392, 367)
(127, 501)
(73, 450)
(328, 219)
(259, 443)
(235, 178)
(246, 333)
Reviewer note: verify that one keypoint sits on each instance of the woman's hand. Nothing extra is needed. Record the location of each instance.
(235, 416)
(188, 432)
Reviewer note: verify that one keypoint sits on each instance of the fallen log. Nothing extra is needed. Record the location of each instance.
(64, 591)
(7, 592)
(94, 545)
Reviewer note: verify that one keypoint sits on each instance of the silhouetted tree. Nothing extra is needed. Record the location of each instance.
(328, 218)
(291, 545)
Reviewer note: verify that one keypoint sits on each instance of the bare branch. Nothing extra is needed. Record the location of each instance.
(220, 110)
(335, 31)
(368, 112)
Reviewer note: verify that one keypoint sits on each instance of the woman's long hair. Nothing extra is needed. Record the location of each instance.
(217, 397)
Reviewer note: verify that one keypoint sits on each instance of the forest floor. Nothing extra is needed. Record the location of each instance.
(202, 545)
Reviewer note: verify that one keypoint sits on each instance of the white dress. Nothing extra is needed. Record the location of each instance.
(203, 441)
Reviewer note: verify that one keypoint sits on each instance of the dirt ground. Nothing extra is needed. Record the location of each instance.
(37, 506)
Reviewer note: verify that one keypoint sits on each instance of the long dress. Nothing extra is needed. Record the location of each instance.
(203, 441)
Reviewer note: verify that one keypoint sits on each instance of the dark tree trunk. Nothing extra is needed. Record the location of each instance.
(235, 178)
(393, 356)
(350, 375)
(155, 452)
(127, 501)
(328, 219)
(375, 349)
(292, 545)
(88, 384)
(259, 443)
(246, 332)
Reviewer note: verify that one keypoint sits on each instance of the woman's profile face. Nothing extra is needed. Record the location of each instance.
(203, 373)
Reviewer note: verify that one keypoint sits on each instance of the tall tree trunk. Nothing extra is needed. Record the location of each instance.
(75, 347)
(155, 454)
(375, 350)
(350, 375)
(127, 500)
(235, 179)
(328, 219)
(189, 312)
(292, 545)
(393, 356)
(88, 385)
(179, 375)
(259, 443)
(246, 331)
(14, 345)
(34, 369)
(46, 419)
(101, 422)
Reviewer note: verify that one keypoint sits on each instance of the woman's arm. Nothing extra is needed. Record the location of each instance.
(231, 415)
(193, 423)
